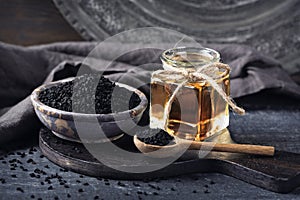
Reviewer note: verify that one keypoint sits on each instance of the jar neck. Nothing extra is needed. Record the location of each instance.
(189, 58)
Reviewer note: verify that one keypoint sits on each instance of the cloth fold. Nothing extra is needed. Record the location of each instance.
(24, 68)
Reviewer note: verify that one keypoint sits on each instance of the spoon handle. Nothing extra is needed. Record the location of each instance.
(234, 148)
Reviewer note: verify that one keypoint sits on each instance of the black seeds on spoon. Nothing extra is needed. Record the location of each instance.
(155, 137)
(90, 90)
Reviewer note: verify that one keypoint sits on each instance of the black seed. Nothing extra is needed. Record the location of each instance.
(50, 188)
(106, 183)
(68, 195)
(96, 197)
(56, 198)
(194, 191)
(121, 184)
(155, 137)
(206, 191)
(63, 170)
(139, 192)
(14, 176)
(80, 190)
(85, 184)
(78, 181)
(155, 193)
(136, 184)
(2, 180)
(91, 89)
(154, 186)
(173, 189)
(20, 189)
(42, 183)
(212, 182)
(206, 186)
(32, 196)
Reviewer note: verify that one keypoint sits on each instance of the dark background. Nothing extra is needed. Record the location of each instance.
(31, 22)
(28, 22)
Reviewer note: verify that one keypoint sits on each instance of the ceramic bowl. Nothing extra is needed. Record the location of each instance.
(63, 125)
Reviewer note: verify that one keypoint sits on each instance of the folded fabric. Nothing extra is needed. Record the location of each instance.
(24, 68)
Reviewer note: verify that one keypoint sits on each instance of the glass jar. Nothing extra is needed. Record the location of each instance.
(198, 110)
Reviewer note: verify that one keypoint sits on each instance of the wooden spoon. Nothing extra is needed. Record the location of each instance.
(195, 145)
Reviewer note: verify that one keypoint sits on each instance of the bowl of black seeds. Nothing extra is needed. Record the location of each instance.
(66, 105)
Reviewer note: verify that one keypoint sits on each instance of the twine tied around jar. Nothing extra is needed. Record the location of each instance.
(204, 72)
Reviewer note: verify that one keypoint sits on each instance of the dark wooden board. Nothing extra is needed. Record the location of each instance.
(280, 173)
